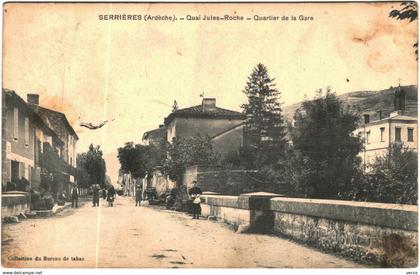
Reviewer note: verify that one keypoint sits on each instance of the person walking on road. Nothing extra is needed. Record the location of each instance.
(111, 196)
(138, 195)
(195, 193)
(74, 196)
(95, 197)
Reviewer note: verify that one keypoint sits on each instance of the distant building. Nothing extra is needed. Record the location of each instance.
(378, 135)
(155, 137)
(224, 126)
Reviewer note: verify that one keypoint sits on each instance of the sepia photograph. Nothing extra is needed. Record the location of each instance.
(209, 135)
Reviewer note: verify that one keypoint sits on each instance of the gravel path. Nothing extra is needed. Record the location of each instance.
(129, 236)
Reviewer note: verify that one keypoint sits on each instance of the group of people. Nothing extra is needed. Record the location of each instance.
(109, 195)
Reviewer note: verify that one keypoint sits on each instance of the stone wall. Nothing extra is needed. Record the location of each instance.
(223, 181)
(383, 234)
(14, 203)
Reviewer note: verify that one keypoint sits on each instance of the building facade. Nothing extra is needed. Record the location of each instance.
(204, 119)
(30, 138)
(58, 122)
(379, 135)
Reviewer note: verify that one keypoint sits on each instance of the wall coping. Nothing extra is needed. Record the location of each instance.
(389, 215)
(381, 214)
(405, 207)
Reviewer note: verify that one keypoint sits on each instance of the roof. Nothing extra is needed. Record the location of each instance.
(198, 112)
(157, 131)
(51, 114)
(391, 118)
(228, 130)
(34, 114)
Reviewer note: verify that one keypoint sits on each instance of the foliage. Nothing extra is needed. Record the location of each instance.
(409, 12)
(52, 168)
(326, 148)
(139, 160)
(264, 122)
(391, 178)
(183, 152)
(244, 158)
(91, 167)
(41, 201)
(82, 174)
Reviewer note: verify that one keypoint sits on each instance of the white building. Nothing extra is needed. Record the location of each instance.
(380, 134)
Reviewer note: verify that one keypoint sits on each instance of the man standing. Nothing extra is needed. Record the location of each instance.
(74, 196)
(95, 195)
(111, 196)
(138, 195)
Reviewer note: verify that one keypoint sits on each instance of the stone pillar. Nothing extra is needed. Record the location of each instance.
(262, 218)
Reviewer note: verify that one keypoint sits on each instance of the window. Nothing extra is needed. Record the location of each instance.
(368, 137)
(410, 134)
(382, 134)
(16, 123)
(26, 131)
(397, 134)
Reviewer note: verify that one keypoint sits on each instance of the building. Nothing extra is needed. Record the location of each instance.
(229, 140)
(155, 137)
(378, 135)
(224, 126)
(24, 134)
(58, 122)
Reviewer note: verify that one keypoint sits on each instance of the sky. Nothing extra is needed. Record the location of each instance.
(130, 72)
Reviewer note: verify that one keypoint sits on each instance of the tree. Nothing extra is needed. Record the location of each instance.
(91, 167)
(264, 122)
(82, 174)
(52, 169)
(183, 152)
(407, 12)
(139, 160)
(391, 178)
(327, 149)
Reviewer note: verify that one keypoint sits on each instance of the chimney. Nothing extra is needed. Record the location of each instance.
(380, 114)
(209, 104)
(367, 118)
(32, 98)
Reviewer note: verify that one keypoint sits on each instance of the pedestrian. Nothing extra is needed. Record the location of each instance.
(104, 194)
(95, 198)
(138, 195)
(74, 196)
(195, 193)
(111, 196)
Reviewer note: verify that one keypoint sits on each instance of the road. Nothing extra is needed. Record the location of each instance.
(128, 236)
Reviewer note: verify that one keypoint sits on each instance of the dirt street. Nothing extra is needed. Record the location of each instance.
(129, 236)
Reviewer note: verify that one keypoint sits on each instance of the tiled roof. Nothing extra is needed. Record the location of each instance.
(158, 131)
(198, 112)
(53, 115)
(32, 112)
(228, 130)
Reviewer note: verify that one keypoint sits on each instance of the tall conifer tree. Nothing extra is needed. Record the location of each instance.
(265, 129)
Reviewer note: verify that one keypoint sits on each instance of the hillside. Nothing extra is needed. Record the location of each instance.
(369, 101)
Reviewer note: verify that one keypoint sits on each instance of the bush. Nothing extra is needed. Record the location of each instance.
(41, 201)
(392, 178)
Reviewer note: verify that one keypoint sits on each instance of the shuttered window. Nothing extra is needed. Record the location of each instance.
(26, 131)
(16, 123)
